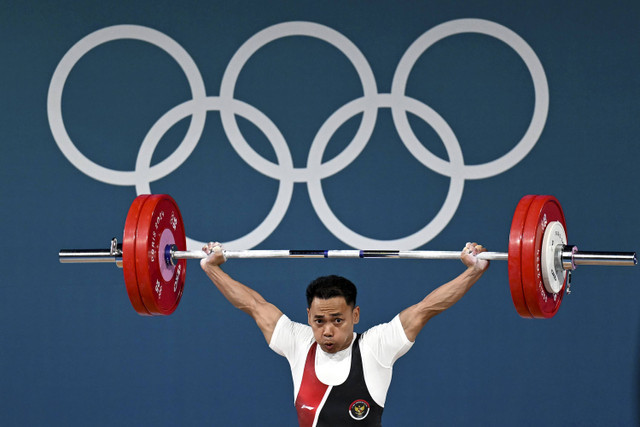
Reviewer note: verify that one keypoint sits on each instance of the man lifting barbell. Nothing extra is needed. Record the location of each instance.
(353, 378)
(153, 255)
(340, 377)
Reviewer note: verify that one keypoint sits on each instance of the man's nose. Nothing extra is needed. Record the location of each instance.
(327, 331)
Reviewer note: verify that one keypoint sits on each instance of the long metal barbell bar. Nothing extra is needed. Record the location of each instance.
(154, 252)
(568, 257)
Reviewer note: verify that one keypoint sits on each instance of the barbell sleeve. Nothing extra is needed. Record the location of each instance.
(603, 258)
(80, 256)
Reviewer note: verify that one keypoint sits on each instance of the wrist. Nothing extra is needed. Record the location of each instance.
(475, 271)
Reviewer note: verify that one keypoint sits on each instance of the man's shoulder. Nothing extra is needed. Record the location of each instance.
(382, 329)
(385, 342)
(289, 334)
(291, 326)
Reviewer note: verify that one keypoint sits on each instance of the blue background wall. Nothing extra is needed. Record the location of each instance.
(74, 352)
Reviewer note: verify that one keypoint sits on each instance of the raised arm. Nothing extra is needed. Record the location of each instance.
(265, 314)
(415, 317)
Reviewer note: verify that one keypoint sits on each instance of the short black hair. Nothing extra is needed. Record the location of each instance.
(326, 287)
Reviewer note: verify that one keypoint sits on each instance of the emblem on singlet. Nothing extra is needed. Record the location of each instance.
(359, 409)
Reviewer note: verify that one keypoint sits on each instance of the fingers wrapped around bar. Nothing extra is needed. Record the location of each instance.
(215, 252)
(469, 256)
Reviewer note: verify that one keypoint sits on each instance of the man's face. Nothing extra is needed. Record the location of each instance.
(332, 322)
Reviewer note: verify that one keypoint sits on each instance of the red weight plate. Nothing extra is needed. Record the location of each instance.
(543, 210)
(514, 259)
(129, 257)
(160, 226)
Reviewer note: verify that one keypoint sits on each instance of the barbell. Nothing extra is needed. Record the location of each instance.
(153, 255)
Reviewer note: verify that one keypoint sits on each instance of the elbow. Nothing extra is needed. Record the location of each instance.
(248, 307)
(430, 308)
(415, 318)
(251, 307)
(428, 313)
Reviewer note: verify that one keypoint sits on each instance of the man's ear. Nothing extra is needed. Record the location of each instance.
(308, 317)
(356, 315)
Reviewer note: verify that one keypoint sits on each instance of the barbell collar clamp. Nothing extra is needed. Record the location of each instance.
(565, 256)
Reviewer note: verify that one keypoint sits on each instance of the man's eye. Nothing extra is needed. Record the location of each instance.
(338, 320)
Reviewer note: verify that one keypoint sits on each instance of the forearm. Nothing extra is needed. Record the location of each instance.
(265, 314)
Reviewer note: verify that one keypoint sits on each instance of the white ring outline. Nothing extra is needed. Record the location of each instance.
(308, 29)
(71, 58)
(540, 85)
(446, 212)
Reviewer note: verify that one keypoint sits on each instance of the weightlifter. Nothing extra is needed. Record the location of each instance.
(340, 377)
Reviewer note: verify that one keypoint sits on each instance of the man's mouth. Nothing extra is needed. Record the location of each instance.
(328, 346)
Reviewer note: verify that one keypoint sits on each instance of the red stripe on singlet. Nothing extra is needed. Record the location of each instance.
(311, 391)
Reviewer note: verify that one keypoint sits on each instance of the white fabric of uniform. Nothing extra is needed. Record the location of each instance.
(380, 347)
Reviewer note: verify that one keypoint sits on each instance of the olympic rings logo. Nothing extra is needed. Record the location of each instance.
(284, 171)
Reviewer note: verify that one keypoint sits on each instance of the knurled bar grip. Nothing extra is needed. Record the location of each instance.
(334, 253)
